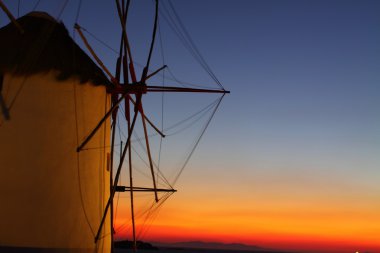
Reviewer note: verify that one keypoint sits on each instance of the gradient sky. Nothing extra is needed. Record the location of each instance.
(291, 159)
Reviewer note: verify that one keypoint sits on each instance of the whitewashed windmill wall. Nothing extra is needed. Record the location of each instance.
(52, 197)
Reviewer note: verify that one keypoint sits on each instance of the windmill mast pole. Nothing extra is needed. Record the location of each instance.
(114, 98)
(122, 9)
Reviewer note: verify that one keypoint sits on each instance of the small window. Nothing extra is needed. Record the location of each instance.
(3, 107)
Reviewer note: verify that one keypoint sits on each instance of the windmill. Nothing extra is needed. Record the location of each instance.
(48, 72)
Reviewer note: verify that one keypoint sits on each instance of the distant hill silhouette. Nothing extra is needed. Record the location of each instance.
(209, 245)
(213, 247)
(125, 244)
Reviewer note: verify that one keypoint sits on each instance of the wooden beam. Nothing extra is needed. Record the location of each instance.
(155, 72)
(78, 28)
(11, 17)
(142, 189)
(153, 88)
(105, 117)
(149, 155)
(138, 87)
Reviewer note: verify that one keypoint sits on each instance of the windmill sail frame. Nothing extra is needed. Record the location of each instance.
(114, 92)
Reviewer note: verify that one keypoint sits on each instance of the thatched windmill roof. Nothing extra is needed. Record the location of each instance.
(45, 45)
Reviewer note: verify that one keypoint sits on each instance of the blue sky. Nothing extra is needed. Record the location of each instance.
(303, 114)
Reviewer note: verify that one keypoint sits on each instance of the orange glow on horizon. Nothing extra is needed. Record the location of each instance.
(285, 241)
(333, 218)
(313, 230)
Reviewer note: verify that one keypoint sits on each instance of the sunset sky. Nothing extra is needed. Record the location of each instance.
(291, 159)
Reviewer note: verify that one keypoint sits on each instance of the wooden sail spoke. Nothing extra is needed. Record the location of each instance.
(85, 41)
(149, 154)
(142, 189)
(11, 17)
(139, 87)
(122, 18)
(155, 72)
(105, 117)
(146, 118)
(151, 88)
(131, 193)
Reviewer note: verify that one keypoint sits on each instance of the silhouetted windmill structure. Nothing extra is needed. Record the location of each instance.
(48, 79)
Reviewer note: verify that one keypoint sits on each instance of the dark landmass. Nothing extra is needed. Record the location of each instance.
(129, 245)
(209, 245)
(212, 247)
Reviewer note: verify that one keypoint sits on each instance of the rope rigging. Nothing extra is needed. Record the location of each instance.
(152, 211)
(200, 115)
(172, 76)
(138, 140)
(36, 5)
(197, 141)
(185, 38)
(149, 212)
(187, 35)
